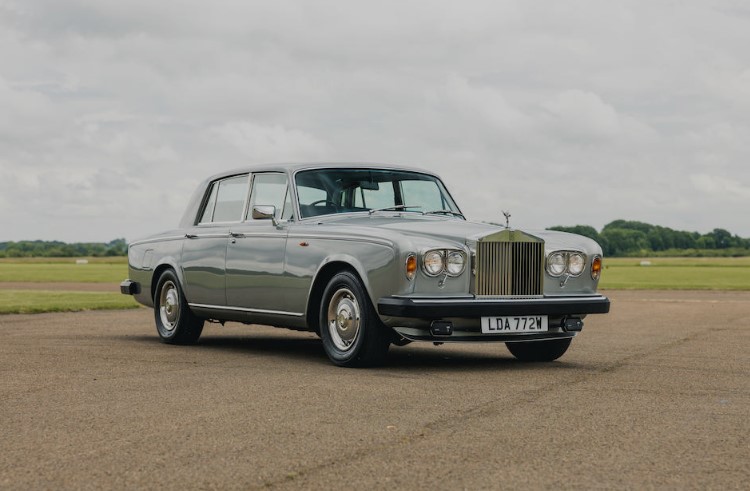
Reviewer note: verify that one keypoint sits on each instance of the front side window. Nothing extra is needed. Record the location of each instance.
(271, 189)
(226, 200)
(330, 191)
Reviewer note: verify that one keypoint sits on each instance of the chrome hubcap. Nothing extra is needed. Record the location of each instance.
(169, 305)
(343, 319)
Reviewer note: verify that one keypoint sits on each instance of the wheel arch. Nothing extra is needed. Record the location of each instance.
(322, 277)
(164, 265)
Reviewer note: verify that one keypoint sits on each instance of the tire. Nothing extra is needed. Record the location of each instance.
(175, 323)
(352, 333)
(539, 350)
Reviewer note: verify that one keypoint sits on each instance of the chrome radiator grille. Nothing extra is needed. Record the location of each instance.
(509, 268)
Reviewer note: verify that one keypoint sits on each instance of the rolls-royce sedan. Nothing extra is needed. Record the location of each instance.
(364, 255)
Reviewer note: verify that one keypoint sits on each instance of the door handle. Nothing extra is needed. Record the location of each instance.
(191, 236)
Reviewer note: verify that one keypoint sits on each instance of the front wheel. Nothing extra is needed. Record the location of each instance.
(549, 350)
(352, 333)
(175, 323)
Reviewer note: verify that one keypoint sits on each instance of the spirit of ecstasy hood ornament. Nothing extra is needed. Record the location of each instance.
(507, 218)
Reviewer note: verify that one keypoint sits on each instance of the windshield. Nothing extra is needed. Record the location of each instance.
(330, 191)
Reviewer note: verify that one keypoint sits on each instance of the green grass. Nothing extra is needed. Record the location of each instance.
(683, 273)
(111, 270)
(65, 260)
(38, 301)
(63, 271)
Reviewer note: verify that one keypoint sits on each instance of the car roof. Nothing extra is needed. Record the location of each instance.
(298, 166)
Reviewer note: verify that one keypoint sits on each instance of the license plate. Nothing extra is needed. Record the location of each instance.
(514, 324)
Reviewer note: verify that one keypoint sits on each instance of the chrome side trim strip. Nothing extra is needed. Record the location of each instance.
(158, 239)
(211, 236)
(244, 234)
(373, 240)
(242, 309)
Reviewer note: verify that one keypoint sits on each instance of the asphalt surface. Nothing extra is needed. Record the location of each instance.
(655, 394)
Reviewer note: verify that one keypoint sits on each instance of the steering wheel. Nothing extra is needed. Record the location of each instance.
(325, 201)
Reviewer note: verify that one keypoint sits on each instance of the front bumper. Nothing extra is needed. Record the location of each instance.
(458, 319)
(471, 307)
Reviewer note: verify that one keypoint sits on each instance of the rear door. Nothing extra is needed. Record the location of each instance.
(205, 248)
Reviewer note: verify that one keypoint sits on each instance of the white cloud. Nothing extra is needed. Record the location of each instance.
(582, 115)
(721, 187)
(574, 112)
(271, 143)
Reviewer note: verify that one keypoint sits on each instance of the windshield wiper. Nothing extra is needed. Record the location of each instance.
(393, 208)
(443, 212)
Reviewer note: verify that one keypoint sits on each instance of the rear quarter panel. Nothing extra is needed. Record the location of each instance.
(148, 257)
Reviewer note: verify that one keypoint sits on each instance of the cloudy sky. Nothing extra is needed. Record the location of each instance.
(567, 112)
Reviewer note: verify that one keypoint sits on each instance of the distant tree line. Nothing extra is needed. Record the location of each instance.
(43, 248)
(630, 238)
(618, 238)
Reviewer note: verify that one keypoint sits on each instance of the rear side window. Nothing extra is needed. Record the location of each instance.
(208, 211)
(226, 201)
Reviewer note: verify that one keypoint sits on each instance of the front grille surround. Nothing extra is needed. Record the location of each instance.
(509, 264)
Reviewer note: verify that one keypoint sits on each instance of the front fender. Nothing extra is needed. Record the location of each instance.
(375, 269)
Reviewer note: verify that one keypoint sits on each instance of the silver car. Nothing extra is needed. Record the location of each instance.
(366, 256)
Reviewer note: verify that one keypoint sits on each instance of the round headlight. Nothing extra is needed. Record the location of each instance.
(576, 263)
(433, 263)
(556, 264)
(455, 263)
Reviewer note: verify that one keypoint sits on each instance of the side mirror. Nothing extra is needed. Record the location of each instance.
(265, 212)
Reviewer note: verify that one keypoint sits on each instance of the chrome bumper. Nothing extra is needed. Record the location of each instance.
(471, 307)
(129, 287)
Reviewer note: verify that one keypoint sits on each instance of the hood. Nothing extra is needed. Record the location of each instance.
(436, 228)
(408, 225)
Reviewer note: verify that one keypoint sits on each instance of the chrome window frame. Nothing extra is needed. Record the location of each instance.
(293, 182)
(207, 195)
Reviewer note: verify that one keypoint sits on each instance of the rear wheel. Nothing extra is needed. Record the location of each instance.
(352, 333)
(539, 350)
(175, 323)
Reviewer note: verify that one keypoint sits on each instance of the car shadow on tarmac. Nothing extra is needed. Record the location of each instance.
(415, 355)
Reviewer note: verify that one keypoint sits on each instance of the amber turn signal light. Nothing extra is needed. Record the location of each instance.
(596, 267)
(411, 266)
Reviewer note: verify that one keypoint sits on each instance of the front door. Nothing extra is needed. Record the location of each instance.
(255, 254)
